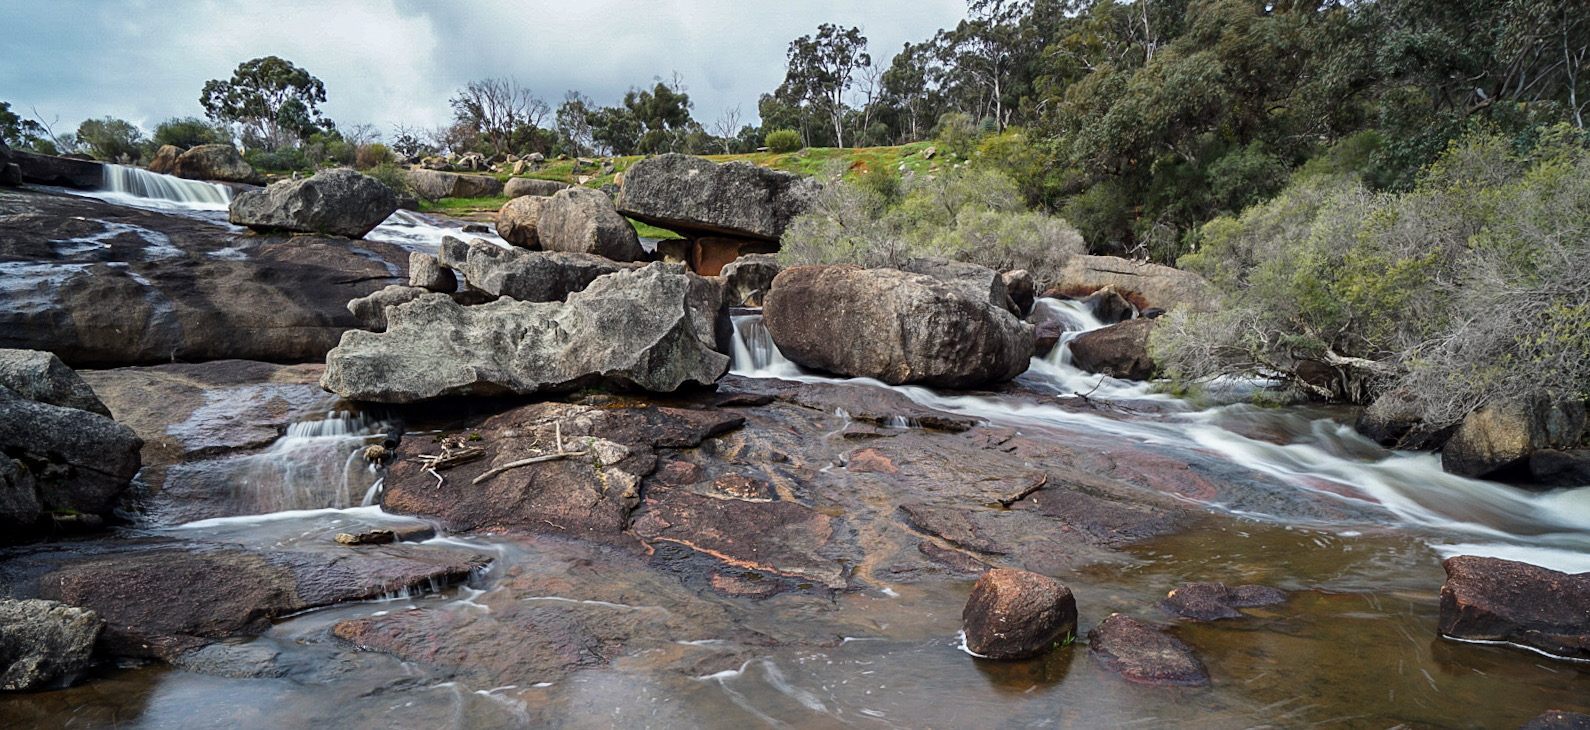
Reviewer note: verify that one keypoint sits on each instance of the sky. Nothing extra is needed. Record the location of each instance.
(386, 62)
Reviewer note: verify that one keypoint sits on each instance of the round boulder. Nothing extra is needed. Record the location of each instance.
(897, 327)
(338, 202)
(522, 186)
(1119, 350)
(1014, 614)
(517, 221)
(215, 162)
(582, 220)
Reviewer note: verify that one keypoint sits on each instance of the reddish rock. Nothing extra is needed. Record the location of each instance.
(1119, 350)
(1014, 614)
(784, 538)
(1045, 337)
(1213, 601)
(1103, 521)
(679, 474)
(872, 461)
(953, 559)
(1490, 599)
(954, 526)
(1142, 653)
(739, 486)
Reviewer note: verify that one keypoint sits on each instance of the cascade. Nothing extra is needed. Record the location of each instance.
(134, 182)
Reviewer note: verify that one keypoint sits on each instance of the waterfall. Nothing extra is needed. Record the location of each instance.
(316, 464)
(754, 355)
(135, 182)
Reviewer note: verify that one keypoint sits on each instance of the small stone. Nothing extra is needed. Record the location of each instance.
(377, 452)
(1213, 601)
(373, 537)
(1142, 653)
(739, 486)
(1015, 614)
(426, 273)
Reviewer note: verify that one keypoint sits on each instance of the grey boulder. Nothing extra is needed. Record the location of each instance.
(1500, 437)
(45, 644)
(517, 221)
(77, 460)
(338, 202)
(894, 326)
(214, 162)
(698, 197)
(528, 276)
(41, 377)
(979, 282)
(435, 185)
(521, 186)
(426, 273)
(371, 308)
(582, 220)
(648, 329)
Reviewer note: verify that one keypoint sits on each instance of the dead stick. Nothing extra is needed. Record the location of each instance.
(526, 462)
(1035, 486)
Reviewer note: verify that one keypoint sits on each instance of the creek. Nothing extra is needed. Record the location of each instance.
(1354, 531)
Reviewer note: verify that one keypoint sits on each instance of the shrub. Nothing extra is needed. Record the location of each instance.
(783, 141)
(285, 159)
(393, 176)
(187, 132)
(115, 140)
(367, 156)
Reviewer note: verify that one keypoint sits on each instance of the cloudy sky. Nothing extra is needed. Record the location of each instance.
(397, 61)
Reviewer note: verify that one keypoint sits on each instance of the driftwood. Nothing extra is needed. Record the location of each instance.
(527, 462)
(1017, 497)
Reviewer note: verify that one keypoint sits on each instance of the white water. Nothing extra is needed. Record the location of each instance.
(138, 184)
(315, 465)
(1328, 458)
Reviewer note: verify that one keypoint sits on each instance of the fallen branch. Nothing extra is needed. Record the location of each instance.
(526, 462)
(1023, 494)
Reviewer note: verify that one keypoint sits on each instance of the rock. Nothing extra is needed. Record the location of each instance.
(432, 184)
(44, 644)
(1497, 439)
(370, 537)
(698, 197)
(517, 221)
(1560, 468)
(1022, 289)
(371, 309)
(748, 279)
(1014, 614)
(528, 276)
(1157, 286)
(426, 273)
(337, 202)
(80, 461)
(1214, 601)
(10, 174)
(1142, 653)
(522, 186)
(1152, 313)
(650, 329)
(1558, 720)
(781, 538)
(476, 186)
(63, 171)
(708, 255)
(1490, 599)
(978, 282)
(215, 162)
(1045, 336)
(893, 326)
(1119, 350)
(19, 496)
(165, 159)
(1394, 421)
(581, 220)
(42, 377)
(1109, 306)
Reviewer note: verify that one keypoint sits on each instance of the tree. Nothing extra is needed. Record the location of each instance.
(573, 123)
(110, 139)
(823, 68)
(496, 108)
(275, 102)
(16, 131)
(726, 128)
(409, 141)
(648, 121)
(187, 132)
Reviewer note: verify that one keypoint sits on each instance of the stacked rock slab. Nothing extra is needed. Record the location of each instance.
(528, 276)
(724, 209)
(649, 329)
(894, 326)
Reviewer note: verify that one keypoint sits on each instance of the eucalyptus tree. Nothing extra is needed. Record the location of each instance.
(823, 68)
(274, 102)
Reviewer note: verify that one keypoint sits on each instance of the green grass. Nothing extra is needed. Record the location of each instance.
(650, 231)
(463, 204)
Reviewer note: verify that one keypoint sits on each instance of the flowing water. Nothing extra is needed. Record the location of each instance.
(1355, 646)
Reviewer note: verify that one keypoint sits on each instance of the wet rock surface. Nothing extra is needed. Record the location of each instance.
(1490, 599)
(1558, 720)
(1015, 614)
(42, 377)
(44, 644)
(102, 285)
(647, 329)
(1498, 439)
(1141, 653)
(893, 326)
(1214, 601)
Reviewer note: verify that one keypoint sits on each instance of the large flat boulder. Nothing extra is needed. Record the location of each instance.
(894, 326)
(1146, 284)
(339, 202)
(1491, 599)
(521, 186)
(435, 185)
(528, 276)
(1119, 350)
(582, 220)
(1498, 439)
(649, 329)
(214, 162)
(42, 377)
(63, 171)
(101, 285)
(698, 197)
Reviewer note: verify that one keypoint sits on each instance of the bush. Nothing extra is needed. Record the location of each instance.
(111, 139)
(187, 132)
(285, 159)
(783, 141)
(1472, 286)
(393, 176)
(367, 156)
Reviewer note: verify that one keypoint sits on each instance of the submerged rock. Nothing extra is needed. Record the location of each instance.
(698, 197)
(894, 326)
(1490, 599)
(338, 202)
(1142, 653)
(648, 329)
(1497, 440)
(1558, 720)
(1214, 601)
(1119, 350)
(44, 644)
(528, 276)
(1014, 614)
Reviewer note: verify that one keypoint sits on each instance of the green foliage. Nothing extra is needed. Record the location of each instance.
(186, 132)
(393, 176)
(367, 156)
(285, 159)
(275, 102)
(111, 139)
(783, 141)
